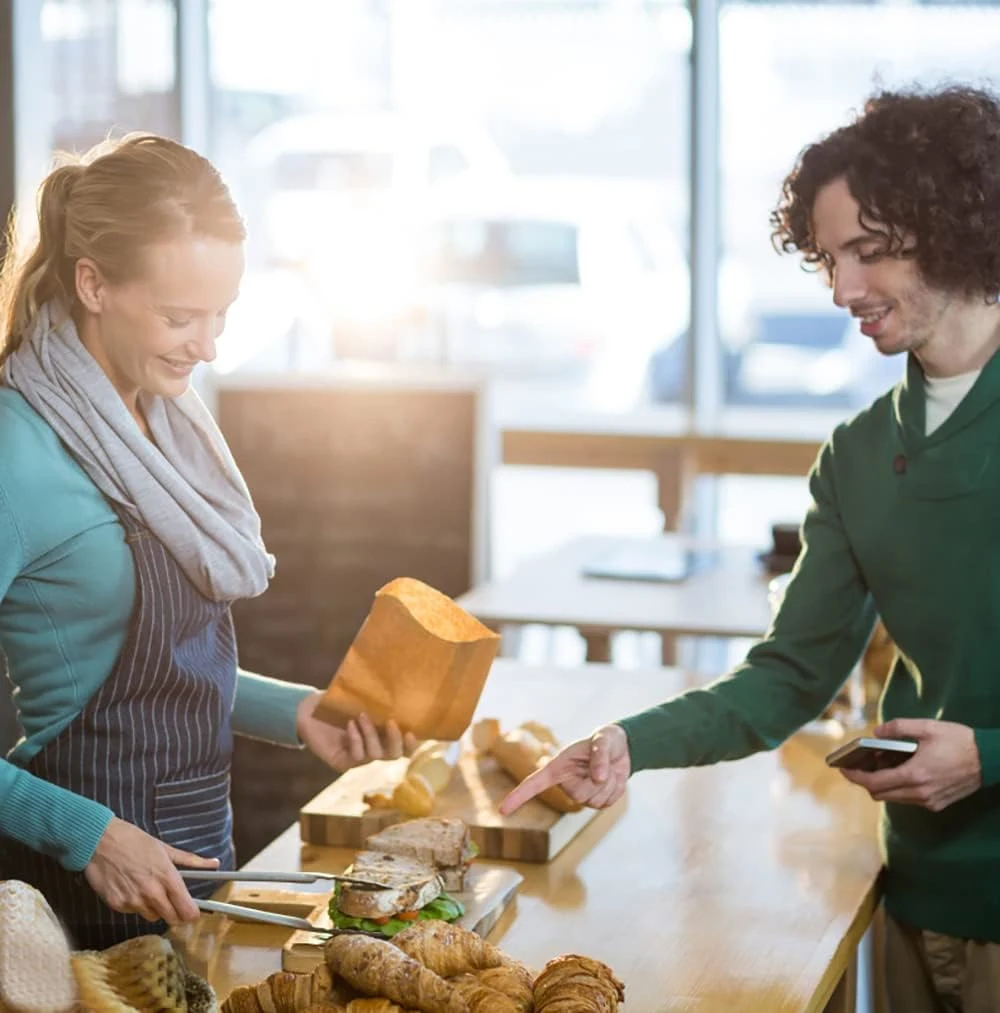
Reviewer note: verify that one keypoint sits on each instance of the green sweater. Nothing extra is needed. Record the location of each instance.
(67, 589)
(908, 526)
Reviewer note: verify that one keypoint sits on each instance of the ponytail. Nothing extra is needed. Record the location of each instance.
(46, 272)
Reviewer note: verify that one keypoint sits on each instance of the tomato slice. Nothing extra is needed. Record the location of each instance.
(408, 916)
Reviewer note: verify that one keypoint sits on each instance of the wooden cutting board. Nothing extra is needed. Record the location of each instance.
(338, 816)
(489, 892)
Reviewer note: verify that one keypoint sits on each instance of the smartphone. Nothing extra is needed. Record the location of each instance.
(872, 754)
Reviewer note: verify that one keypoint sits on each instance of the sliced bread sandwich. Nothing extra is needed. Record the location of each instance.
(440, 842)
(413, 891)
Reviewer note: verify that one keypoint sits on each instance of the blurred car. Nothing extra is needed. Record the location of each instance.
(784, 347)
(548, 278)
(322, 178)
(801, 359)
(791, 358)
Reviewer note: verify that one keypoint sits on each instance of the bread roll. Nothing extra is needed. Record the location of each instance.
(484, 734)
(414, 796)
(431, 747)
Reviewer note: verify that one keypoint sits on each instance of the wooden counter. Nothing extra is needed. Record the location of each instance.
(745, 886)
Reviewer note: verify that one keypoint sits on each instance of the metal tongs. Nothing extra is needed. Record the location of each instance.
(269, 917)
(246, 876)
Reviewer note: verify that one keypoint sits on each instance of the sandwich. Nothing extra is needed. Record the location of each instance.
(442, 843)
(412, 890)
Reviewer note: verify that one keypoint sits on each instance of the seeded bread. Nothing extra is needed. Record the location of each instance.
(441, 841)
(414, 883)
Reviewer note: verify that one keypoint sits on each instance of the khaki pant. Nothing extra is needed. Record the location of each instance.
(930, 973)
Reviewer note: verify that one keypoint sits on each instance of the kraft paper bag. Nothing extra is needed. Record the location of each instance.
(418, 659)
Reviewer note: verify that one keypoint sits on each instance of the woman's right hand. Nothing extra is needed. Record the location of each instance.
(135, 873)
(593, 771)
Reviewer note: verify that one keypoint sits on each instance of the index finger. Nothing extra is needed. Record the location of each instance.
(393, 741)
(534, 784)
(369, 734)
(877, 781)
(906, 728)
(180, 905)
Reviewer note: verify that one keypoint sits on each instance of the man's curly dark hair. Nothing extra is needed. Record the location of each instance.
(924, 166)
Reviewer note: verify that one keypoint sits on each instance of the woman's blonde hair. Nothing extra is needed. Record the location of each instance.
(107, 205)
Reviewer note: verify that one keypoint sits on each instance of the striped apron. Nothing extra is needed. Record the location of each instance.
(153, 744)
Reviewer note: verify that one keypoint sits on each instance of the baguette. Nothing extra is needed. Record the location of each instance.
(520, 753)
(543, 733)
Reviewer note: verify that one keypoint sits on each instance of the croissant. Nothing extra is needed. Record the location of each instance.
(281, 992)
(575, 984)
(376, 967)
(514, 980)
(374, 1006)
(481, 998)
(447, 949)
(324, 988)
(242, 999)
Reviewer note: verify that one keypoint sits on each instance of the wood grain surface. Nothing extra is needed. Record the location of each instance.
(742, 886)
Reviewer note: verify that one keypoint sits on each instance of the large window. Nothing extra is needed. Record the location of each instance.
(790, 73)
(501, 185)
(87, 68)
(506, 184)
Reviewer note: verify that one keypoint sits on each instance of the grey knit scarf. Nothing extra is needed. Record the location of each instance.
(186, 489)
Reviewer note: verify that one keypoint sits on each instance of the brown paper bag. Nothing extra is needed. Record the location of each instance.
(418, 658)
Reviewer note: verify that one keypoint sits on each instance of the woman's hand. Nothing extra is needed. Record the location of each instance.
(593, 771)
(360, 742)
(135, 873)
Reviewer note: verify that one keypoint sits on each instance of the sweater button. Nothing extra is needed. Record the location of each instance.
(899, 464)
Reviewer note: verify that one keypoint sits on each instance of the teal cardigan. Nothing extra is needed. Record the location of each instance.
(906, 525)
(67, 589)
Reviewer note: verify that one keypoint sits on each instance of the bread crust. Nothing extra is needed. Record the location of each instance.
(414, 883)
(436, 839)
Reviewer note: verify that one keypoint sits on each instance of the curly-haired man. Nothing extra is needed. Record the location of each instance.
(901, 210)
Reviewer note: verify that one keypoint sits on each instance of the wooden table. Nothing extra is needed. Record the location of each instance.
(725, 597)
(745, 886)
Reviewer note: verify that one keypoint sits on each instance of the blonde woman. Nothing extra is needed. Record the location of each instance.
(126, 532)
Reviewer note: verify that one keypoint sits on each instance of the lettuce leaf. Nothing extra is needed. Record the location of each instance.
(442, 908)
